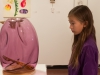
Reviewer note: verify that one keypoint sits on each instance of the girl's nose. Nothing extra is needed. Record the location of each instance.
(70, 27)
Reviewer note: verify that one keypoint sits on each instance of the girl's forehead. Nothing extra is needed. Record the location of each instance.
(72, 18)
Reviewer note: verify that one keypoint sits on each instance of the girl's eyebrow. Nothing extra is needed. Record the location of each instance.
(70, 20)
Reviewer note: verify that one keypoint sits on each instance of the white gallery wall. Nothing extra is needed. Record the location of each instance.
(54, 35)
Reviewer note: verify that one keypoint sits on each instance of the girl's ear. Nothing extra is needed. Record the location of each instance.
(85, 23)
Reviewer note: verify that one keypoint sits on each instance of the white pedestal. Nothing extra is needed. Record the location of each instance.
(39, 70)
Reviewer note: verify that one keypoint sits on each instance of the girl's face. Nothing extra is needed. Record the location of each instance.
(76, 26)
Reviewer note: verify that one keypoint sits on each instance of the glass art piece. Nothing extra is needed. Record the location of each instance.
(19, 46)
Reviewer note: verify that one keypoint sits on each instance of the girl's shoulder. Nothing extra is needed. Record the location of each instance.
(90, 44)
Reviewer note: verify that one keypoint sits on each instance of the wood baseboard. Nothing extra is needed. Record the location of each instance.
(57, 67)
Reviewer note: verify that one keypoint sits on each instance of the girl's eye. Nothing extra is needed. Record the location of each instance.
(72, 23)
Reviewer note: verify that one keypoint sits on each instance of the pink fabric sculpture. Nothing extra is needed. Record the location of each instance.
(19, 42)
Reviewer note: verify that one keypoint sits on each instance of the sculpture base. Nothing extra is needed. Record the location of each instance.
(19, 72)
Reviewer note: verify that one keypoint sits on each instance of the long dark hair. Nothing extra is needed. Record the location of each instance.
(83, 14)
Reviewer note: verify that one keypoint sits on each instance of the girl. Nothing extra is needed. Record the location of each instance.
(84, 57)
